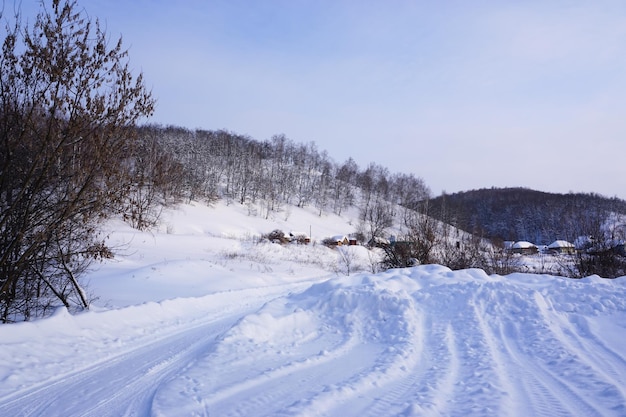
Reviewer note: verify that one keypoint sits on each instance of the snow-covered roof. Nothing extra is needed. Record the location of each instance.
(560, 244)
(522, 244)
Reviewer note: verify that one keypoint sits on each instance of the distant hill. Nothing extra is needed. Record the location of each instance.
(524, 214)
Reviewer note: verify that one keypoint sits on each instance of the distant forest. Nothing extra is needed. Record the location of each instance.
(523, 214)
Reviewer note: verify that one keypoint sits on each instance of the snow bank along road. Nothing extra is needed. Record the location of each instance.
(424, 341)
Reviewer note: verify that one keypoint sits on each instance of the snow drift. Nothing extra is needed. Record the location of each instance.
(422, 341)
(198, 325)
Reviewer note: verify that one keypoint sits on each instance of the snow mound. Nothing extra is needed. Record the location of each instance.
(442, 341)
(203, 318)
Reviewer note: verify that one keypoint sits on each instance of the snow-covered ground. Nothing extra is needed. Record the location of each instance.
(201, 319)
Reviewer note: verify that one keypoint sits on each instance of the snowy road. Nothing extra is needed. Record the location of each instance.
(123, 384)
(424, 341)
(112, 365)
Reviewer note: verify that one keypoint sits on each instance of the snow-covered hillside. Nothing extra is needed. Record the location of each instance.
(199, 318)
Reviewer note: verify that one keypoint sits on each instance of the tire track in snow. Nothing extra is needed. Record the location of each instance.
(442, 371)
(533, 397)
(429, 388)
(571, 367)
(432, 392)
(476, 348)
(476, 387)
(123, 379)
(576, 336)
(541, 401)
(373, 354)
(276, 375)
(273, 388)
(389, 397)
(533, 345)
(421, 389)
(398, 355)
(473, 371)
(510, 391)
(122, 384)
(425, 389)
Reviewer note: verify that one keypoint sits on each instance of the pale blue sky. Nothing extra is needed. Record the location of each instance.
(465, 94)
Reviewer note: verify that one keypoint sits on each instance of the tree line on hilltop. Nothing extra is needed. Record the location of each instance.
(513, 214)
(595, 225)
(178, 164)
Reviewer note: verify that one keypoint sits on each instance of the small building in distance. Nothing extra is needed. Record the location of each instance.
(562, 246)
(299, 237)
(338, 240)
(524, 248)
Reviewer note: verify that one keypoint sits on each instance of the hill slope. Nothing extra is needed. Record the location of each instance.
(198, 318)
(524, 214)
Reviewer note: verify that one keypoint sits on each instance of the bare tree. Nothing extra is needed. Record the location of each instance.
(155, 180)
(68, 101)
(417, 245)
(377, 217)
(600, 247)
(342, 190)
(347, 260)
(461, 250)
(499, 260)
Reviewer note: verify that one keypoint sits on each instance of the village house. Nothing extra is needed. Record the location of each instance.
(339, 240)
(524, 248)
(562, 246)
(299, 237)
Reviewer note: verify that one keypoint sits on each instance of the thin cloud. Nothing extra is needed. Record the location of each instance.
(463, 95)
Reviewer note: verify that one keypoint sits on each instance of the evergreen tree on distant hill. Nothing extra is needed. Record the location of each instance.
(524, 214)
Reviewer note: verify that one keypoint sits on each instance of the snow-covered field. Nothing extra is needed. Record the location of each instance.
(200, 319)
